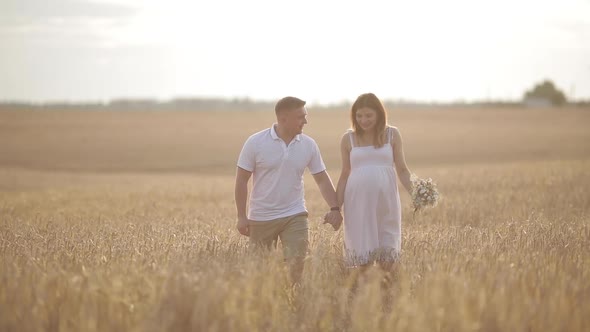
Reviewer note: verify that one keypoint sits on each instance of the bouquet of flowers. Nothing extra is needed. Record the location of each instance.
(424, 193)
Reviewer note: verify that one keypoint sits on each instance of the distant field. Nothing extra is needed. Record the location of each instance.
(198, 142)
(125, 222)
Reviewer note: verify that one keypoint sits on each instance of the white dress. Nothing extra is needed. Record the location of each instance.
(372, 209)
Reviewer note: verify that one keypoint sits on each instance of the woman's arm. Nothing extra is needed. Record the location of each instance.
(345, 152)
(403, 172)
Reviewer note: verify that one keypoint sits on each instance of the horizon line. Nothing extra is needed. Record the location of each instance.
(252, 100)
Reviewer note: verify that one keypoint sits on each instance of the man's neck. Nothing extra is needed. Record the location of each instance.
(287, 138)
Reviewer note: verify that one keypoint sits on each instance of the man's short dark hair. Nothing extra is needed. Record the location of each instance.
(288, 103)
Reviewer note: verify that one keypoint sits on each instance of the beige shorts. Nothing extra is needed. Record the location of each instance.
(292, 230)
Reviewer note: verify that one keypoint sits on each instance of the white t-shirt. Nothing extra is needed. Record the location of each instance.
(277, 171)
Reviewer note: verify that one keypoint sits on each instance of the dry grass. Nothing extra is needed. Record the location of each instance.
(82, 249)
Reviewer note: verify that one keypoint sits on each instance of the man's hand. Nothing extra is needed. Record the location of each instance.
(243, 226)
(334, 218)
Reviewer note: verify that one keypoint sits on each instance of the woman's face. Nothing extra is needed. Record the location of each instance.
(366, 118)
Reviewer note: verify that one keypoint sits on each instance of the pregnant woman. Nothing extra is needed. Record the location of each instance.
(372, 160)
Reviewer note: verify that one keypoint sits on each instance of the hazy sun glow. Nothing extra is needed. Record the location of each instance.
(323, 51)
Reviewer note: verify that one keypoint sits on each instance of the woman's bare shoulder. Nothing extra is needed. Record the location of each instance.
(394, 130)
(345, 140)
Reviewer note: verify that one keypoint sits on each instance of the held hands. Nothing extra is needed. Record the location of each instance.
(333, 218)
(243, 226)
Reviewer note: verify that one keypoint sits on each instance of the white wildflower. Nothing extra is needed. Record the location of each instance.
(424, 193)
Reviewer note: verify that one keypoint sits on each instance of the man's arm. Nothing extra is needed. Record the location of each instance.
(241, 198)
(326, 188)
(329, 194)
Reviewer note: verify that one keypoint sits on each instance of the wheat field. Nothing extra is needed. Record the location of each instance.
(124, 221)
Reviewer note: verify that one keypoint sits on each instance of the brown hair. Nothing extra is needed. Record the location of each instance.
(288, 103)
(369, 100)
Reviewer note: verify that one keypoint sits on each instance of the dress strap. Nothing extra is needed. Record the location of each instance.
(388, 133)
(351, 137)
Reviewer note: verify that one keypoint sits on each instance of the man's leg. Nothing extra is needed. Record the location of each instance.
(295, 240)
(264, 234)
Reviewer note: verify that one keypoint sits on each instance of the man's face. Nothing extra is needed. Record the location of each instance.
(294, 120)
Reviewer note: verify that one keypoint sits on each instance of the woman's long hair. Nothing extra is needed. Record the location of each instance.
(369, 100)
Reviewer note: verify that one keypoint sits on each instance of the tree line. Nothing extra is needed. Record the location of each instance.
(544, 94)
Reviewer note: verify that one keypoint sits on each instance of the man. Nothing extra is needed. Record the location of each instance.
(277, 157)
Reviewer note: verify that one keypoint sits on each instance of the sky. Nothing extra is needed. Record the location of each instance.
(320, 51)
